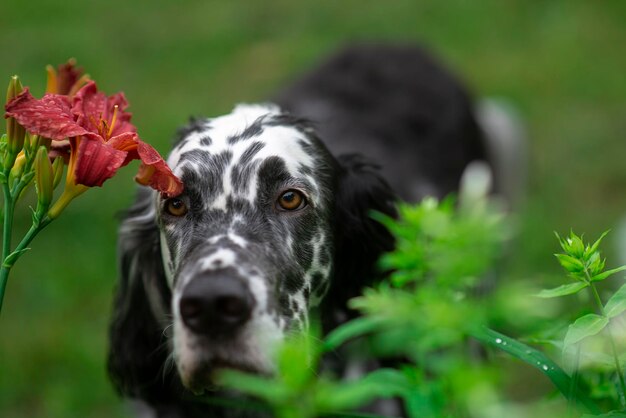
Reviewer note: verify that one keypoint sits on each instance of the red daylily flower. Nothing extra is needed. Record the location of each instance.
(101, 137)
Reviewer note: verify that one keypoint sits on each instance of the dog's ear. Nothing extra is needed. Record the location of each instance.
(359, 239)
(138, 348)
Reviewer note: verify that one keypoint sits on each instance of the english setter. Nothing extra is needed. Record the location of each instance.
(275, 218)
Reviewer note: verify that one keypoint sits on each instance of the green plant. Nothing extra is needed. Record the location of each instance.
(421, 319)
(431, 319)
(585, 265)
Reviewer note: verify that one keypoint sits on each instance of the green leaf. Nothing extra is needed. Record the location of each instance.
(595, 264)
(566, 289)
(259, 386)
(617, 304)
(537, 359)
(28, 177)
(297, 359)
(607, 273)
(12, 258)
(595, 245)
(349, 330)
(569, 263)
(576, 246)
(584, 327)
(562, 242)
(382, 383)
(612, 414)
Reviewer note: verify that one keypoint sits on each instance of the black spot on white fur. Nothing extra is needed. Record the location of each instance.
(205, 174)
(195, 125)
(251, 131)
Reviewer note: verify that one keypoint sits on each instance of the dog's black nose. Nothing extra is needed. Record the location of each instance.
(216, 304)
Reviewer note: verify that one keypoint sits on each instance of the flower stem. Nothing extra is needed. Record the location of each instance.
(70, 192)
(8, 264)
(9, 206)
(4, 276)
(10, 200)
(8, 220)
(596, 296)
(574, 385)
(618, 366)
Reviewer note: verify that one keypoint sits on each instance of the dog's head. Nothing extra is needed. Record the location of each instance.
(269, 226)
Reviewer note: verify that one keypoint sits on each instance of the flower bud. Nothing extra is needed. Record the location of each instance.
(3, 146)
(32, 144)
(57, 170)
(51, 83)
(44, 180)
(17, 169)
(15, 132)
(66, 79)
(15, 88)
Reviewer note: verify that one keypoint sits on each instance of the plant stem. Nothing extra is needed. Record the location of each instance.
(6, 267)
(8, 220)
(618, 366)
(574, 386)
(4, 276)
(9, 206)
(10, 200)
(596, 296)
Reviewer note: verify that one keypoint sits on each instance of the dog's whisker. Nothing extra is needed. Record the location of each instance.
(168, 366)
(166, 331)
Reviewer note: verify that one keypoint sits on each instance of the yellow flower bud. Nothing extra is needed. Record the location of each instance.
(57, 169)
(15, 132)
(18, 168)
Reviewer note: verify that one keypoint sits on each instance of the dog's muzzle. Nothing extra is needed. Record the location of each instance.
(216, 303)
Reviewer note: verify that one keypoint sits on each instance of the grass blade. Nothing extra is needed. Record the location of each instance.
(612, 414)
(537, 359)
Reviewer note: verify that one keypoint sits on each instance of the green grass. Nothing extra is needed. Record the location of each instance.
(560, 62)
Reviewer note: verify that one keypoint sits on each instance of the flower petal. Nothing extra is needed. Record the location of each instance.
(122, 119)
(91, 107)
(127, 141)
(49, 116)
(155, 172)
(96, 161)
(68, 75)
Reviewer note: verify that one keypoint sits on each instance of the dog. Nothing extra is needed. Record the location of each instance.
(275, 218)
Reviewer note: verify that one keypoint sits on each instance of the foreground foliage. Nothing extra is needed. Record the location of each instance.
(433, 321)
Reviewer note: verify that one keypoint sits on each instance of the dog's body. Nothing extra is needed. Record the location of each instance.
(275, 218)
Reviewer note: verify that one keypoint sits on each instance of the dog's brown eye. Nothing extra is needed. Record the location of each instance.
(175, 207)
(291, 200)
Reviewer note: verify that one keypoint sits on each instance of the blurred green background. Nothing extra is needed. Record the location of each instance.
(561, 63)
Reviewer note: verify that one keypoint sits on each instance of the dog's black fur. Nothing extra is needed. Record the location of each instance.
(409, 129)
